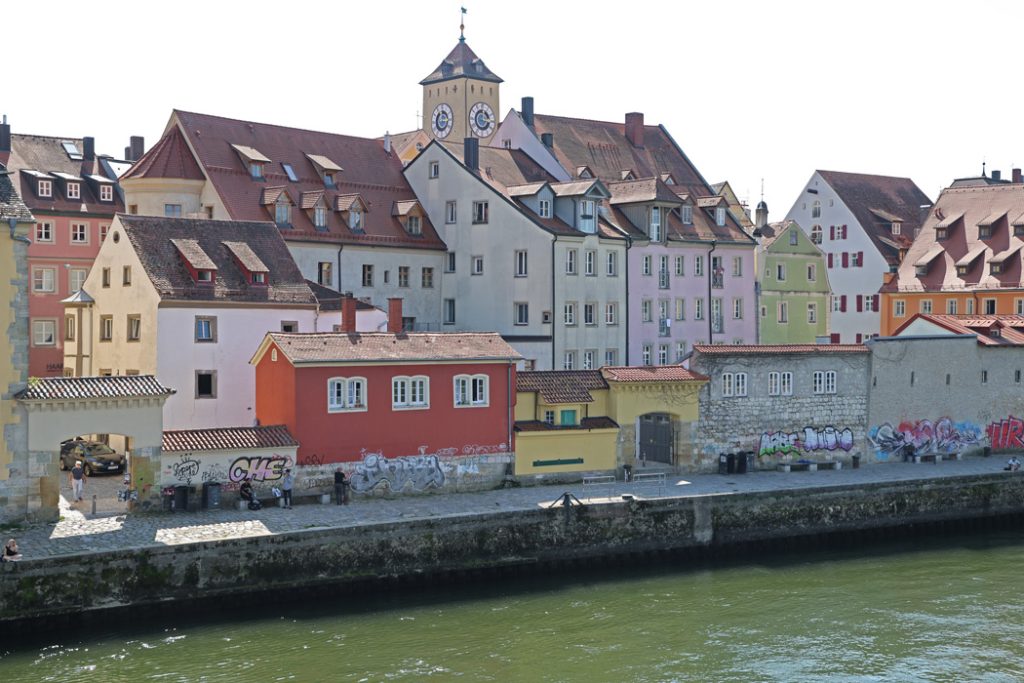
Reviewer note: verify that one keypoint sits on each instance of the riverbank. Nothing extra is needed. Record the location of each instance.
(157, 560)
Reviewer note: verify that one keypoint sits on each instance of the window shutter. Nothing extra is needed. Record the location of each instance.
(874, 303)
(860, 259)
(831, 232)
(846, 259)
(842, 303)
(830, 259)
(834, 337)
(858, 337)
(844, 231)
(860, 303)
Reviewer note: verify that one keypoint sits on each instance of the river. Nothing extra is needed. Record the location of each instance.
(936, 610)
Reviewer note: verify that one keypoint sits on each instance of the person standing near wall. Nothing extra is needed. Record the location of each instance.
(340, 487)
(286, 488)
(76, 477)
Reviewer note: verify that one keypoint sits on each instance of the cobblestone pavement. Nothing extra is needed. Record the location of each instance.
(79, 531)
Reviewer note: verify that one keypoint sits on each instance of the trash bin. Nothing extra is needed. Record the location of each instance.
(741, 463)
(987, 451)
(211, 495)
(168, 502)
(723, 464)
(856, 461)
(180, 498)
(627, 473)
(730, 463)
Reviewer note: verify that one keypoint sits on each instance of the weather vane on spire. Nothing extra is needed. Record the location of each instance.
(462, 26)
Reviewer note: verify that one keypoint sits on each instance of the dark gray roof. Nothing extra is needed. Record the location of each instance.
(154, 239)
(84, 388)
(461, 62)
(11, 205)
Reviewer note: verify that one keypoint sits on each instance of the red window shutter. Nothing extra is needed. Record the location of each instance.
(860, 306)
(846, 259)
(874, 303)
(831, 232)
(834, 337)
(860, 259)
(842, 303)
(858, 337)
(844, 231)
(830, 259)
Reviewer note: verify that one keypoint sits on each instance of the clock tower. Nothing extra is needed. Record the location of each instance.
(460, 98)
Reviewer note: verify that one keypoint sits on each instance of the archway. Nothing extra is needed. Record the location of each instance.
(106, 468)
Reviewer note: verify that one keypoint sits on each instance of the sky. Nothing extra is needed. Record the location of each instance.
(751, 90)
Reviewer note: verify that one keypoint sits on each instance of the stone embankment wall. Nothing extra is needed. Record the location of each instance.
(33, 592)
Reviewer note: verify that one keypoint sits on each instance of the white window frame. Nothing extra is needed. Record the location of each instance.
(590, 262)
(355, 218)
(698, 265)
(812, 313)
(680, 308)
(45, 188)
(786, 383)
(899, 308)
(449, 311)
(74, 190)
(737, 308)
(481, 212)
(79, 274)
(655, 231)
(410, 392)
(39, 332)
(646, 311)
(41, 284)
(320, 216)
(663, 354)
(612, 264)
(544, 208)
(569, 313)
(680, 266)
(451, 212)
(44, 232)
(471, 391)
(588, 359)
(737, 266)
(611, 313)
(590, 313)
(611, 357)
(435, 170)
(812, 272)
(106, 193)
(569, 360)
(645, 265)
(353, 397)
(774, 384)
(521, 311)
(571, 261)
(79, 233)
(522, 263)
(477, 267)
(646, 355)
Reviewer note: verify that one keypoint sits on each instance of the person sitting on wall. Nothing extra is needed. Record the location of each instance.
(1013, 464)
(11, 552)
(245, 492)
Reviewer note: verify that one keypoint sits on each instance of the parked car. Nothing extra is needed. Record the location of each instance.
(96, 457)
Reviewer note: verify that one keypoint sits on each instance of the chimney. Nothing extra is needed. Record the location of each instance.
(395, 315)
(1016, 175)
(548, 139)
(997, 175)
(127, 153)
(88, 149)
(348, 313)
(387, 142)
(138, 147)
(5, 136)
(527, 111)
(635, 128)
(472, 154)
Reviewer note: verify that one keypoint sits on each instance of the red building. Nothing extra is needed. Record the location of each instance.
(367, 398)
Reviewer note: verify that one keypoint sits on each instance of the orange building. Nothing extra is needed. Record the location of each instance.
(966, 259)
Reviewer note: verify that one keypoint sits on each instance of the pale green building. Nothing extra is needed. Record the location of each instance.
(792, 281)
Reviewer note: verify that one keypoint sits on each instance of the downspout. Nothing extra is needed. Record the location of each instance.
(340, 247)
(625, 313)
(13, 223)
(711, 274)
(510, 407)
(553, 311)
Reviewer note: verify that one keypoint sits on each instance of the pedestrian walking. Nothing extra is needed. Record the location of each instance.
(340, 487)
(286, 488)
(77, 479)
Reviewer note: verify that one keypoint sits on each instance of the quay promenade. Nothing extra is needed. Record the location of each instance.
(77, 532)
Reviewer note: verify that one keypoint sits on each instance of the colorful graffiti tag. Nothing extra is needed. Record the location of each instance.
(418, 472)
(924, 437)
(810, 439)
(1008, 433)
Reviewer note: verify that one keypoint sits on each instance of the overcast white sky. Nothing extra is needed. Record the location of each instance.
(749, 89)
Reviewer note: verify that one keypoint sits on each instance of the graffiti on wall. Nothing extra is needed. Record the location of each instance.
(810, 440)
(417, 472)
(259, 468)
(1008, 433)
(924, 437)
(191, 468)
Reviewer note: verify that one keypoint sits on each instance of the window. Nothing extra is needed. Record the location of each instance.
(256, 170)
(69, 328)
(449, 311)
(413, 225)
(857, 259)
(450, 212)
(988, 306)
(941, 234)
(569, 360)
(570, 261)
(720, 216)
(816, 234)
(569, 310)
(646, 311)
(403, 276)
(698, 309)
(824, 382)
(355, 219)
(812, 272)
(133, 209)
(1018, 306)
(74, 191)
(812, 313)
(737, 266)
(44, 333)
(549, 417)
(717, 324)
(984, 376)
(589, 316)
(103, 231)
(410, 393)
(645, 266)
(478, 265)
(134, 328)
(734, 384)
(480, 212)
(290, 326)
(522, 311)
(45, 188)
(290, 172)
(567, 418)
(612, 263)
(663, 354)
(773, 384)
(970, 307)
(105, 280)
(680, 351)
(687, 214)
(951, 306)
(126, 276)
(611, 313)
(588, 360)
(106, 327)
(737, 309)
(787, 383)
(283, 212)
(206, 329)
(611, 357)
(663, 279)
(449, 263)
(590, 262)
(172, 210)
(471, 390)
(680, 309)
(680, 266)
(655, 231)
(367, 275)
(522, 264)
(544, 208)
(79, 233)
(44, 280)
(816, 209)
(319, 216)
(324, 273)
(427, 278)
(899, 308)
(44, 232)
(698, 266)
(926, 306)
(780, 272)
(646, 359)
(587, 220)
(435, 169)
(794, 238)
(346, 394)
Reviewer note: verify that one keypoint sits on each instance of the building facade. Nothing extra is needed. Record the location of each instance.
(794, 289)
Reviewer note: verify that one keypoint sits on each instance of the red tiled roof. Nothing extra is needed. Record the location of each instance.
(651, 373)
(562, 386)
(585, 423)
(168, 158)
(228, 439)
(85, 388)
(1010, 328)
(776, 349)
(331, 347)
(371, 172)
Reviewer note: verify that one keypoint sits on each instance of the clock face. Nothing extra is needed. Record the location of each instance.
(481, 119)
(441, 121)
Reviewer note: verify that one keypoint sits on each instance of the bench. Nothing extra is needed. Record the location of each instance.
(810, 466)
(657, 478)
(936, 457)
(595, 480)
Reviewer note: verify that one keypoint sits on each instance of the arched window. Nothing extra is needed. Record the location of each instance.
(816, 234)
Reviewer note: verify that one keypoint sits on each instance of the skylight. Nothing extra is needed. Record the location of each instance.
(290, 172)
(72, 150)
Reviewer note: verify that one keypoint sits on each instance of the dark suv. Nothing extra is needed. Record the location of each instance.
(96, 457)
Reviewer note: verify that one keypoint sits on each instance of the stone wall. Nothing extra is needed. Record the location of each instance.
(17, 484)
(39, 589)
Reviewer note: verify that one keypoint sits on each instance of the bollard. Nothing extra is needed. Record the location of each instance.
(94, 503)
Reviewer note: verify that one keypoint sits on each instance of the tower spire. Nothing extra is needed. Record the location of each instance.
(462, 25)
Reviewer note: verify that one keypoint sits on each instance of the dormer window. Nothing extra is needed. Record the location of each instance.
(941, 234)
(544, 208)
(204, 276)
(962, 270)
(74, 190)
(687, 214)
(655, 232)
(290, 172)
(995, 268)
(283, 212)
(328, 179)
(327, 169)
(259, 278)
(584, 172)
(587, 218)
(256, 170)
(668, 179)
(106, 193)
(897, 228)
(984, 232)
(320, 216)
(45, 188)
(720, 216)
(627, 174)
(355, 219)
(921, 271)
(412, 225)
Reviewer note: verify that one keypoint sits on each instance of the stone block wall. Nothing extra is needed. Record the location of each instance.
(16, 483)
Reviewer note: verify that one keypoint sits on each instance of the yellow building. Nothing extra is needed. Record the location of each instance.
(601, 420)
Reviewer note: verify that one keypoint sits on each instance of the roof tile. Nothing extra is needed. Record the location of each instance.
(228, 439)
(85, 388)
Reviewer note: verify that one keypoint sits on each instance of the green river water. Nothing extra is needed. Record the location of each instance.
(940, 610)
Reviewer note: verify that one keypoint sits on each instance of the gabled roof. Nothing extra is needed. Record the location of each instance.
(461, 62)
(86, 388)
(338, 347)
(170, 157)
(990, 330)
(562, 386)
(227, 439)
(371, 172)
(651, 373)
(776, 349)
(574, 188)
(37, 156)
(869, 197)
(157, 241)
(246, 256)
